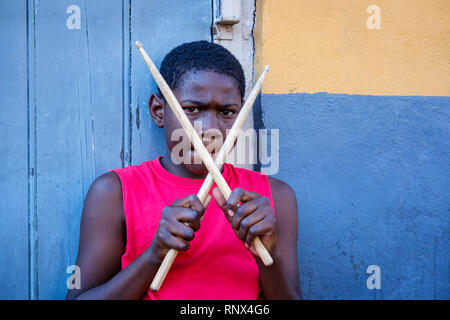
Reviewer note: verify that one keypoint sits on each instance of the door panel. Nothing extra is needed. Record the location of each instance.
(73, 107)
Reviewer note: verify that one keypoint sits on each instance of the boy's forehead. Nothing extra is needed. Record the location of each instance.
(206, 83)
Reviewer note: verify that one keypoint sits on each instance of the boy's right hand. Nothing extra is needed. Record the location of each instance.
(177, 226)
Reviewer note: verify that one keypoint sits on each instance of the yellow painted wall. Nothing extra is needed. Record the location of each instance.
(325, 46)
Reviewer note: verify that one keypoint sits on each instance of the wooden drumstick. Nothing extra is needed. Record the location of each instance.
(197, 143)
(207, 184)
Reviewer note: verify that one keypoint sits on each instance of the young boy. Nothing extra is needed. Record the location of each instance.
(133, 216)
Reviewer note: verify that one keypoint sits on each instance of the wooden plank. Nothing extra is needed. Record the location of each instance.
(14, 270)
(159, 26)
(79, 124)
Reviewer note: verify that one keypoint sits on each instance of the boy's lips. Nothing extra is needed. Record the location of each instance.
(211, 153)
(195, 155)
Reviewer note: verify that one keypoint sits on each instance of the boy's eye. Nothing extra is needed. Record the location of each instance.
(191, 109)
(227, 112)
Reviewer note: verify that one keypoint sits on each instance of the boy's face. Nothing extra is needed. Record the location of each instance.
(211, 102)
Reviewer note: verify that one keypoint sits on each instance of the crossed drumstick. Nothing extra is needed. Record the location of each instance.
(213, 167)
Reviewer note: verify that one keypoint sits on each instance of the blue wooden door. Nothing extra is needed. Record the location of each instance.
(74, 94)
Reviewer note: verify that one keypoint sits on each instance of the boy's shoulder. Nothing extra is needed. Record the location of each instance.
(136, 167)
(244, 170)
(285, 203)
(279, 185)
(281, 191)
(283, 196)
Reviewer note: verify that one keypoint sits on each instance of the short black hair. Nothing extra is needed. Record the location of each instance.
(201, 56)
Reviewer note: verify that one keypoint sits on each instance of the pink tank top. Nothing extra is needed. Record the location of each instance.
(217, 265)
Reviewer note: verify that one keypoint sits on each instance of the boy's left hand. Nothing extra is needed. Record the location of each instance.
(254, 217)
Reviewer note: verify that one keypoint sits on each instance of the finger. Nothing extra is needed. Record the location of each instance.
(205, 205)
(262, 228)
(177, 243)
(191, 201)
(220, 199)
(182, 230)
(252, 249)
(241, 212)
(239, 195)
(189, 216)
(222, 203)
(207, 200)
(248, 222)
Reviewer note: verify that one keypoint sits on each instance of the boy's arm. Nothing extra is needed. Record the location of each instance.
(255, 217)
(285, 267)
(103, 238)
(102, 243)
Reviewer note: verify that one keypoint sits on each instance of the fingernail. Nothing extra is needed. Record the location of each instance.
(246, 244)
(230, 212)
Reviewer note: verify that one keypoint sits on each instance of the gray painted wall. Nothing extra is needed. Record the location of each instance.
(371, 175)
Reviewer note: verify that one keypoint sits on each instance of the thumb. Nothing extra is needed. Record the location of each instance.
(221, 202)
(207, 200)
(205, 205)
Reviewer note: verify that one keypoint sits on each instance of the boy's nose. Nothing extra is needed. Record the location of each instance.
(209, 129)
(209, 121)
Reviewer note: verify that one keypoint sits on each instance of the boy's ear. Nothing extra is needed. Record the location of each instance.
(156, 108)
